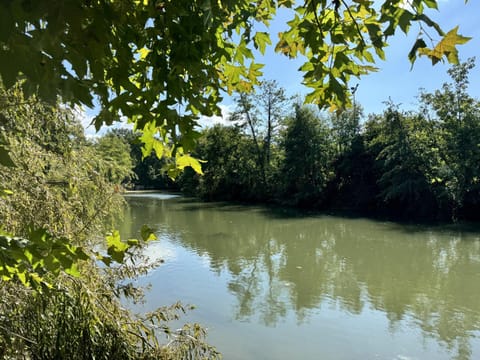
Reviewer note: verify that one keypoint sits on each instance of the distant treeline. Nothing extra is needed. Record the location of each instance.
(422, 164)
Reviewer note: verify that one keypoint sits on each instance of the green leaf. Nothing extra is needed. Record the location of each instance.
(148, 139)
(107, 260)
(432, 4)
(261, 40)
(404, 20)
(52, 264)
(286, 3)
(73, 270)
(5, 192)
(5, 158)
(412, 55)
(446, 47)
(186, 160)
(159, 148)
(22, 276)
(143, 53)
(147, 234)
(116, 248)
(80, 254)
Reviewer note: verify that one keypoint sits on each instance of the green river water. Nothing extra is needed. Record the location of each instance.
(274, 284)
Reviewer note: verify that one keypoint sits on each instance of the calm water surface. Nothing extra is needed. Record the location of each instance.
(271, 284)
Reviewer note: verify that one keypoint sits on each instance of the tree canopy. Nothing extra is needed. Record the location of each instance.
(163, 63)
(412, 164)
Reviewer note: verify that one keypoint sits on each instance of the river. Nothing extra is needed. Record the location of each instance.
(276, 284)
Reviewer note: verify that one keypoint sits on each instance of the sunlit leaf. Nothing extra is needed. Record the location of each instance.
(446, 47)
(186, 160)
(261, 40)
(148, 234)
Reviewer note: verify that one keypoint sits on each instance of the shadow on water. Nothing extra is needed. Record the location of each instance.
(279, 212)
(269, 210)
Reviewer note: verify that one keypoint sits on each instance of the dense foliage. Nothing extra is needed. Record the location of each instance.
(163, 63)
(306, 168)
(147, 171)
(59, 195)
(415, 164)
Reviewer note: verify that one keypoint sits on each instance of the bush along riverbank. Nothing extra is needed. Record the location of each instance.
(60, 296)
(410, 165)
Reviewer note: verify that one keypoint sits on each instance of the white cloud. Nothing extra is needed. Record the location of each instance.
(86, 117)
(227, 110)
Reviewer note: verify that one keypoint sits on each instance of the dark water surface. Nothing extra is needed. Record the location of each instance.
(271, 284)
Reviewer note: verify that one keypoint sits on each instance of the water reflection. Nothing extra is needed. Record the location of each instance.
(427, 278)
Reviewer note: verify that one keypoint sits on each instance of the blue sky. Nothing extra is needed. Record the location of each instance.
(394, 80)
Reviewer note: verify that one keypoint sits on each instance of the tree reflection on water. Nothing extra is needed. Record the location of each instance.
(280, 262)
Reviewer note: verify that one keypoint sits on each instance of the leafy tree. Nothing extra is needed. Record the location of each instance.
(230, 171)
(114, 153)
(407, 160)
(354, 186)
(346, 127)
(163, 63)
(458, 117)
(52, 179)
(272, 100)
(262, 112)
(148, 172)
(351, 186)
(308, 154)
